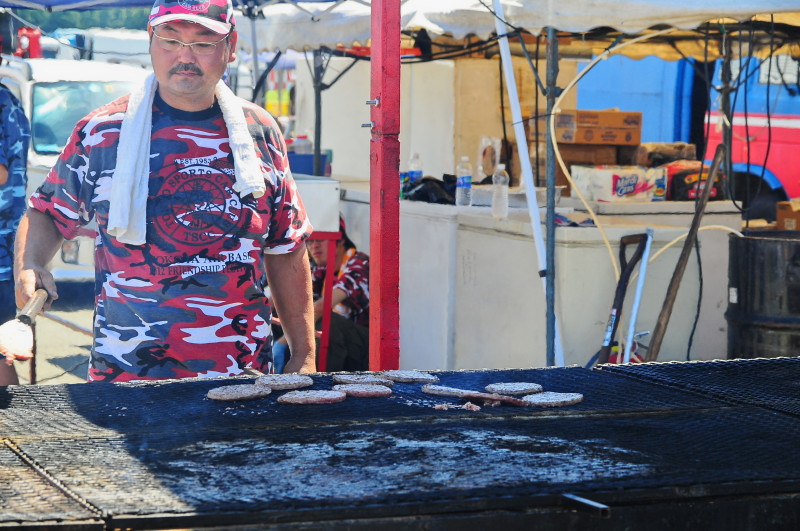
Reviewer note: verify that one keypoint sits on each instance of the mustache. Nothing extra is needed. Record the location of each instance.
(186, 67)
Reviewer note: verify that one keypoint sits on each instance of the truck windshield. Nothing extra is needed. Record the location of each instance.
(58, 106)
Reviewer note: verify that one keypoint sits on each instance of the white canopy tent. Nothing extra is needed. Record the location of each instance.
(284, 26)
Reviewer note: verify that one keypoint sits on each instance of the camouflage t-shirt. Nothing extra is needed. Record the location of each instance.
(15, 135)
(353, 279)
(190, 302)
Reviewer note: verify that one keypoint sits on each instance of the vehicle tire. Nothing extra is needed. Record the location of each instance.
(756, 198)
(764, 205)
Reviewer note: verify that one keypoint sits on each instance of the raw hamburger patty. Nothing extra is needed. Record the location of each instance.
(441, 390)
(514, 388)
(363, 390)
(490, 398)
(312, 397)
(238, 392)
(367, 379)
(550, 399)
(281, 382)
(410, 376)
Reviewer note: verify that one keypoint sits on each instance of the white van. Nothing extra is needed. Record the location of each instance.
(55, 94)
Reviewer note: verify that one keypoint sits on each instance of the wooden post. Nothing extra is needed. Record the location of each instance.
(384, 163)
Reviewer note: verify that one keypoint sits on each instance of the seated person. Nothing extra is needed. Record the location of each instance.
(348, 345)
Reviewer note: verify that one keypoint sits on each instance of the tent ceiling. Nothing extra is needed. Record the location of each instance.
(64, 5)
(593, 25)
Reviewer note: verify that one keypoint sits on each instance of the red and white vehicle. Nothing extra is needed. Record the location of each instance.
(55, 94)
(766, 131)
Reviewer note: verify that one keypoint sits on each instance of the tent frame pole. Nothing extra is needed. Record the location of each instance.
(254, 44)
(545, 257)
(384, 205)
(554, 348)
(319, 72)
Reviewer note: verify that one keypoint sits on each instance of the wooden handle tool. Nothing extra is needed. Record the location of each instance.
(32, 308)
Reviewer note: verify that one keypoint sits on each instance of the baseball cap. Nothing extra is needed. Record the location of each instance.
(348, 243)
(216, 15)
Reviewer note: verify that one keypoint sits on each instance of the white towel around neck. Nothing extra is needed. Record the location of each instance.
(127, 213)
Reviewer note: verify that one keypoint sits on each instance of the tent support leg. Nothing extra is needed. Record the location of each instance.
(319, 71)
(546, 263)
(550, 221)
(384, 165)
(254, 43)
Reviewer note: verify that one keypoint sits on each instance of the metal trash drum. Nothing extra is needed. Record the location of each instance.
(764, 295)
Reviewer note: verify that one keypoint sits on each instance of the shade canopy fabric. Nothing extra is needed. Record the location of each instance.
(592, 25)
(586, 27)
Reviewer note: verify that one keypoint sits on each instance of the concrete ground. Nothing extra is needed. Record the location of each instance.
(62, 354)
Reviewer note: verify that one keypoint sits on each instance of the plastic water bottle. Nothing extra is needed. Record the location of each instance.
(302, 145)
(464, 182)
(500, 192)
(414, 169)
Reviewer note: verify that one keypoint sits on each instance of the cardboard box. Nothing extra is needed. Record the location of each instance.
(788, 215)
(574, 154)
(613, 128)
(616, 183)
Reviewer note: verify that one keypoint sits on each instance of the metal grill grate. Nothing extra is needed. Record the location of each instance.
(162, 455)
(772, 383)
(29, 498)
(431, 466)
(123, 408)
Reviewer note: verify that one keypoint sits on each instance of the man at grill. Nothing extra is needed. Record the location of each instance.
(196, 210)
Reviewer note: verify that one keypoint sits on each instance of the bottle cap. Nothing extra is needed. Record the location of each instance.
(501, 166)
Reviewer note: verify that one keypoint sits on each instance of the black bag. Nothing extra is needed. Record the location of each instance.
(433, 190)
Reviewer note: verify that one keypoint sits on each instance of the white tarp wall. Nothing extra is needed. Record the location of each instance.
(426, 121)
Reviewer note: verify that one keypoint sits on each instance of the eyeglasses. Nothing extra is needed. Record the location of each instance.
(199, 48)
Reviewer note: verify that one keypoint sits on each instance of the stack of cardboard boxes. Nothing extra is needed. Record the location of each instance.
(586, 138)
(608, 162)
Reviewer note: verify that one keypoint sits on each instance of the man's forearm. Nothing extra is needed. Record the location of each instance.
(36, 243)
(337, 296)
(289, 277)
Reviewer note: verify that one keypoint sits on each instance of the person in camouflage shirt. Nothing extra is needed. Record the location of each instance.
(190, 301)
(15, 136)
(348, 340)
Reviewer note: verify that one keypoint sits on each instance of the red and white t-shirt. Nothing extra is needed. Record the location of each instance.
(190, 302)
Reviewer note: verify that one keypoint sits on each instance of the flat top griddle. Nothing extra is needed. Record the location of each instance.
(152, 455)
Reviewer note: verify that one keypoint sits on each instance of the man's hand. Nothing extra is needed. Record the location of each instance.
(29, 280)
(37, 242)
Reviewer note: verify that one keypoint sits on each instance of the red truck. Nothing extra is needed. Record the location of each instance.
(765, 144)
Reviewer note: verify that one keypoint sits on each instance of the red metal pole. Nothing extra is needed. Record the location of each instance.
(384, 165)
(327, 307)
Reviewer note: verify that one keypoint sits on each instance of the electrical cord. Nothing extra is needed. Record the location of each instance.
(506, 144)
(699, 299)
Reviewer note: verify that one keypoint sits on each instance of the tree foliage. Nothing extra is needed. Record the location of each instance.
(128, 18)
